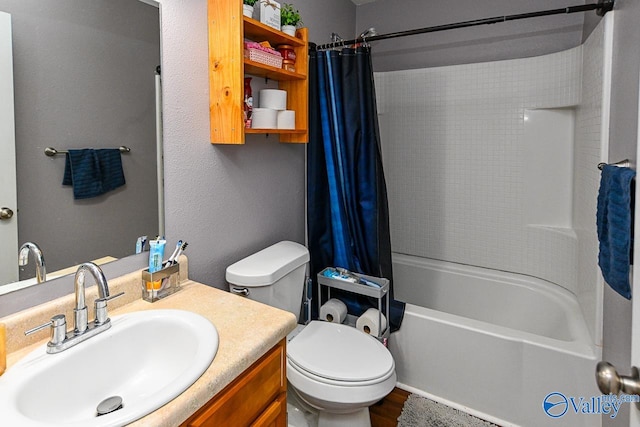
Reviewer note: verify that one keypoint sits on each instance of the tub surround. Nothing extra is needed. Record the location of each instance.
(478, 187)
(240, 345)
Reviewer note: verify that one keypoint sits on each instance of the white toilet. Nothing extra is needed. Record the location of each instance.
(334, 368)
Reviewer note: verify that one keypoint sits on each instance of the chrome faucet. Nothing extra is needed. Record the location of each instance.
(80, 311)
(82, 329)
(23, 259)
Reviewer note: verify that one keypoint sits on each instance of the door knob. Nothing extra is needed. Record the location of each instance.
(609, 381)
(5, 213)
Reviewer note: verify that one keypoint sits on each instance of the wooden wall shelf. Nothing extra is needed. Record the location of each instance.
(278, 131)
(227, 68)
(256, 30)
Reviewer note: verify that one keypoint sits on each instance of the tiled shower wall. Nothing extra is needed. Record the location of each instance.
(592, 146)
(453, 152)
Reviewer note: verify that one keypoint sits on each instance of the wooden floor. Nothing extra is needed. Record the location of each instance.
(386, 412)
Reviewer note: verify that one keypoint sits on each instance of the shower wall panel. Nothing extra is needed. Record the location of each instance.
(454, 154)
(592, 146)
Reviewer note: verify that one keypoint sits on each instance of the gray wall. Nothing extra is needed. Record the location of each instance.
(84, 78)
(517, 39)
(227, 201)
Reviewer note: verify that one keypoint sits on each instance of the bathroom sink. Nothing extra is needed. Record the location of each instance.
(146, 358)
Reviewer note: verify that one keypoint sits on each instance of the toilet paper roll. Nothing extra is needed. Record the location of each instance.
(370, 323)
(286, 119)
(264, 118)
(273, 98)
(334, 311)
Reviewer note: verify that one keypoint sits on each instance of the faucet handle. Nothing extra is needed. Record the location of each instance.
(101, 308)
(58, 324)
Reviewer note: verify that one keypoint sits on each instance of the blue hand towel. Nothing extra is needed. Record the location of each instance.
(110, 160)
(613, 220)
(93, 172)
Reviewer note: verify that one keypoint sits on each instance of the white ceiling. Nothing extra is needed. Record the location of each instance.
(359, 2)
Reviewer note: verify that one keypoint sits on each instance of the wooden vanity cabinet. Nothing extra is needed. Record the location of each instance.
(258, 397)
(228, 67)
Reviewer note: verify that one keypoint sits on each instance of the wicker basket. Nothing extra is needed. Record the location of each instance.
(263, 57)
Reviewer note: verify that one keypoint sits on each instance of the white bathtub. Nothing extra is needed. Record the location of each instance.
(491, 343)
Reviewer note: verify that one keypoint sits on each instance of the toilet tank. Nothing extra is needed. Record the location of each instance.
(273, 276)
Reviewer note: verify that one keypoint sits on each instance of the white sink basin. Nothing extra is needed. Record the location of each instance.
(147, 358)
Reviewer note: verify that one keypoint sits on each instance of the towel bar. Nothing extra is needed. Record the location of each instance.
(50, 151)
(622, 164)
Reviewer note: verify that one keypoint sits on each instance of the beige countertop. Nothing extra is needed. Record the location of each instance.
(247, 330)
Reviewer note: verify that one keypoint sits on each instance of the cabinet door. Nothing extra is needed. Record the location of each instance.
(253, 397)
(275, 415)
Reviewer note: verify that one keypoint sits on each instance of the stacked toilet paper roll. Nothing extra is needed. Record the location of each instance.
(334, 311)
(264, 118)
(274, 99)
(286, 119)
(273, 113)
(372, 322)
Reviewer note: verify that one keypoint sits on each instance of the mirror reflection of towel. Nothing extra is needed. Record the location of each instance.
(93, 172)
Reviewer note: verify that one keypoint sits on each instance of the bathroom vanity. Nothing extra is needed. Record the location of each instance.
(246, 382)
(258, 397)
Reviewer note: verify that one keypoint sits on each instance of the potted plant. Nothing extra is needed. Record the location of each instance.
(289, 19)
(247, 7)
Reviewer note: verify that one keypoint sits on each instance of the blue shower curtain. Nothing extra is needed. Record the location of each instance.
(348, 215)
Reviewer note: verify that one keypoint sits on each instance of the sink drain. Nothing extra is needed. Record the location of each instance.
(109, 405)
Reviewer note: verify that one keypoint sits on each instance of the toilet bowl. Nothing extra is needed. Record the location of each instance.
(334, 368)
(340, 371)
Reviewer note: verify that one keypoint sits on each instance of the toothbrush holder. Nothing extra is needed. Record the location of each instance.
(161, 283)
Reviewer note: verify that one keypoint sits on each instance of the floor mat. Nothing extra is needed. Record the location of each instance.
(422, 412)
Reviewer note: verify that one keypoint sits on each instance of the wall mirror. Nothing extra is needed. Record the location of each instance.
(85, 75)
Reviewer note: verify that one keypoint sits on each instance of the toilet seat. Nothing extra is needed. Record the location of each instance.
(341, 355)
(337, 398)
(338, 369)
(301, 371)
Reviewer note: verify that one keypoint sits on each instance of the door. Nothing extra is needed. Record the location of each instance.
(8, 197)
(635, 289)
(621, 340)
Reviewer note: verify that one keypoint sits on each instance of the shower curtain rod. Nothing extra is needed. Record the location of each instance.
(602, 7)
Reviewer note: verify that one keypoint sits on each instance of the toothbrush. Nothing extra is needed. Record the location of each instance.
(173, 255)
(175, 260)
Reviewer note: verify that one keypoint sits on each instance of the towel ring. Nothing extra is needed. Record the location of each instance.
(50, 151)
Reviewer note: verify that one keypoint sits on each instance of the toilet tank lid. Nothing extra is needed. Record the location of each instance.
(267, 266)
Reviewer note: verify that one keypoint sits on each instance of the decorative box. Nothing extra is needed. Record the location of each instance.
(269, 13)
(263, 57)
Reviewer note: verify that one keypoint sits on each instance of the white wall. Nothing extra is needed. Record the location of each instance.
(592, 143)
